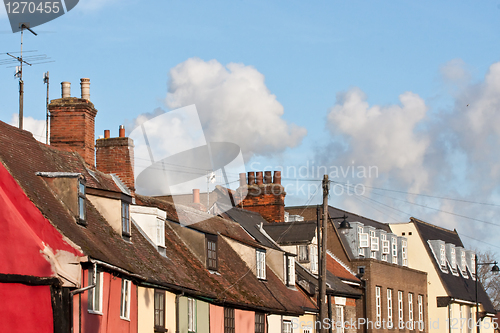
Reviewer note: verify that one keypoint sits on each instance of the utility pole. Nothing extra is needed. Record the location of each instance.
(322, 272)
(46, 81)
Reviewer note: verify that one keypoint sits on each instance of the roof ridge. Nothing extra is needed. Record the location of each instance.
(414, 219)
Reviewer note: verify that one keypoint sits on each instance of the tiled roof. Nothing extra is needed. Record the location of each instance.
(291, 232)
(23, 157)
(457, 286)
(338, 270)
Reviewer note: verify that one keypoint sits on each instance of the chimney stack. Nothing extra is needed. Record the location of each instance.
(116, 155)
(266, 196)
(72, 124)
(196, 196)
(65, 89)
(85, 87)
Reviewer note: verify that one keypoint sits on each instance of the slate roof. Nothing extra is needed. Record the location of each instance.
(291, 232)
(457, 286)
(23, 157)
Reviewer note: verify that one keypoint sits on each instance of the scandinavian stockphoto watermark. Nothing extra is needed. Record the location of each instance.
(303, 180)
(173, 156)
(29, 14)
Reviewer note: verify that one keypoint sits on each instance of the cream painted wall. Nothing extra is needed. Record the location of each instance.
(148, 218)
(276, 262)
(418, 259)
(274, 324)
(247, 253)
(145, 308)
(307, 321)
(111, 209)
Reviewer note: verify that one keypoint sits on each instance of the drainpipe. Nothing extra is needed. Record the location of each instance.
(329, 298)
(81, 290)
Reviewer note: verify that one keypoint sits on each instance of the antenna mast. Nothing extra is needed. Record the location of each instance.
(46, 80)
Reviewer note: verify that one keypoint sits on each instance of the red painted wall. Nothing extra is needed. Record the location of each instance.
(244, 321)
(216, 319)
(24, 231)
(25, 309)
(110, 320)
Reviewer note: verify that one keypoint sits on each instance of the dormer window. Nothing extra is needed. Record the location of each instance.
(125, 219)
(211, 252)
(261, 264)
(82, 211)
(303, 253)
(463, 262)
(453, 260)
(442, 256)
(394, 250)
(290, 271)
(404, 252)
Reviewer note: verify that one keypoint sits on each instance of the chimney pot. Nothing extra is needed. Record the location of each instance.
(277, 177)
(259, 177)
(85, 87)
(251, 178)
(65, 89)
(122, 131)
(268, 178)
(196, 196)
(243, 179)
(106, 134)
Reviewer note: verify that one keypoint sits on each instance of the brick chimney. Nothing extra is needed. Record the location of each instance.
(265, 196)
(116, 155)
(72, 122)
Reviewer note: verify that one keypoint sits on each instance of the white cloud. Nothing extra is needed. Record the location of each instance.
(455, 72)
(382, 136)
(234, 105)
(35, 126)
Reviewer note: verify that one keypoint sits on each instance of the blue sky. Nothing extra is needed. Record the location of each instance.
(322, 64)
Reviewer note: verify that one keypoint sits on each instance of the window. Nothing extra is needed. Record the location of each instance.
(287, 326)
(473, 265)
(82, 216)
(160, 232)
(125, 218)
(410, 310)
(372, 233)
(463, 262)
(363, 240)
(95, 294)
(442, 256)
(125, 300)
(400, 308)
(228, 320)
(378, 305)
(290, 272)
(394, 250)
(373, 255)
(385, 246)
(339, 319)
(389, 309)
(261, 264)
(374, 243)
(260, 323)
(303, 253)
(404, 252)
(361, 252)
(191, 315)
(211, 252)
(314, 259)
(420, 312)
(453, 259)
(159, 310)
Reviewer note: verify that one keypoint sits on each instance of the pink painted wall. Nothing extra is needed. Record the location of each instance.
(110, 320)
(25, 309)
(216, 319)
(244, 321)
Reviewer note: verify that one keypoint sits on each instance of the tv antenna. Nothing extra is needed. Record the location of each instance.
(28, 60)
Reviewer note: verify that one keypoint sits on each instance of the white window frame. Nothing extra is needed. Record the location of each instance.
(261, 264)
(473, 265)
(191, 313)
(374, 245)
(394, 250)
(160, 232)
(404, 252)
(453, 259)
(125, 218)
(314, 259)
(400, 308)
(361, 251)
(420, 312)
(389, 309)
(363, 240)
(385, 247)
(125, 300)
(287, 326)
(82, 202)
(378, 305)
(95, 294)
(410, 310)
(373, 255)
(290, 279)
(372, 233)
(339, 316)
(303, 257)
(463, 262)
(442, 255)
